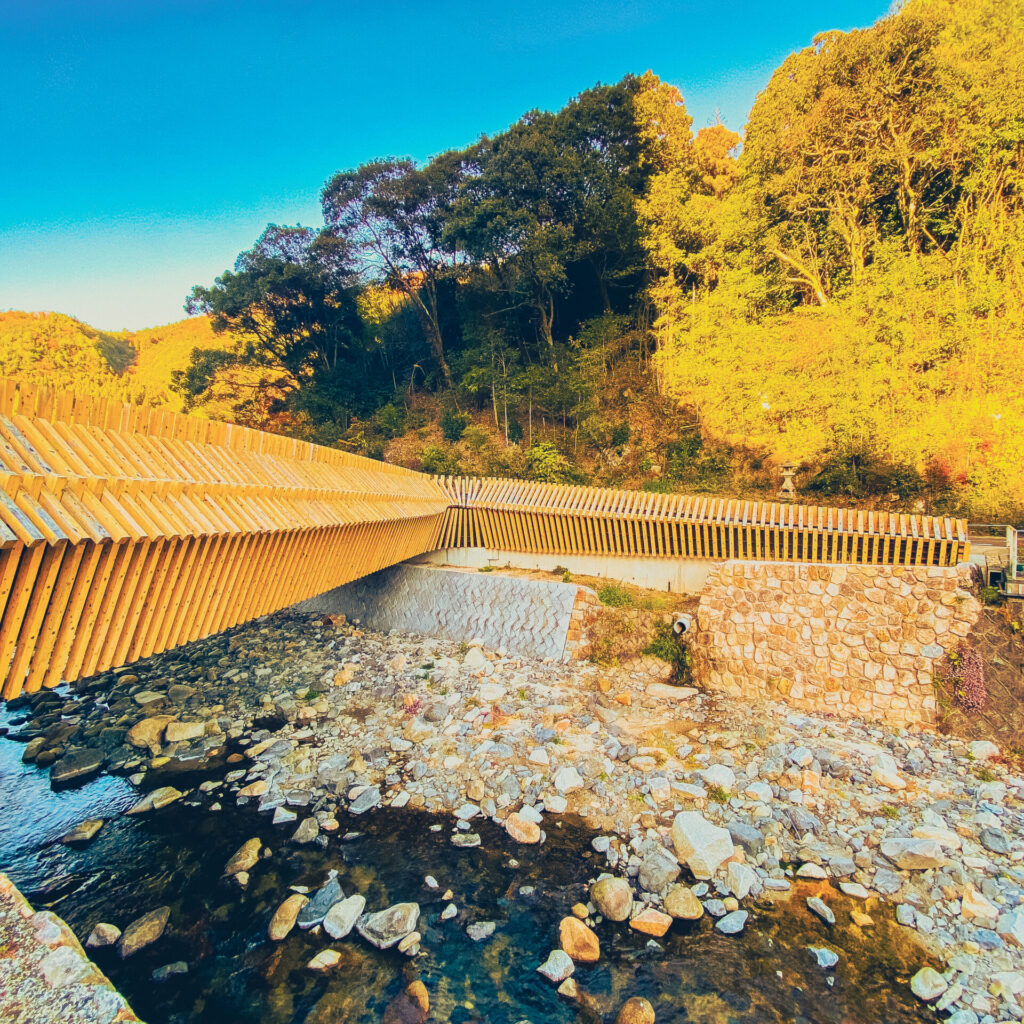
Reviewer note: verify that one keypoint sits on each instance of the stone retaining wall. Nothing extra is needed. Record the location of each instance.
(523, 617)
(45, 975)
(850, 639)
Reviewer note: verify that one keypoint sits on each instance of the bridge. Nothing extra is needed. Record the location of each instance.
(127, 530)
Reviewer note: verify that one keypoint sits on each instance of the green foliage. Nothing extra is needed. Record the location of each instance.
(453, 425)
(668, 647)
(990, 595)
(615, 596)
(546, 463)
(440, 460)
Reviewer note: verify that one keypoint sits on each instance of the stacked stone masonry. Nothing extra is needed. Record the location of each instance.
(850, 639)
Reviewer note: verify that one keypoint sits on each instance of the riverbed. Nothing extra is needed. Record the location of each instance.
(175, 857)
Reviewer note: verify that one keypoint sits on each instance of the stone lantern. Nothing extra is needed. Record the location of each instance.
(788, 489)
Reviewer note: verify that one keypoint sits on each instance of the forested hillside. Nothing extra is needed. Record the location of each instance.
(604, 294)
(133, 366)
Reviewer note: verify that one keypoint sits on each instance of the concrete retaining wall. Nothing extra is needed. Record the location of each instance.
(676, 575)
(851, 639)
(524, 617)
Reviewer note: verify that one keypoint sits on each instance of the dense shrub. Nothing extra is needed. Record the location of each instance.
(453, 425)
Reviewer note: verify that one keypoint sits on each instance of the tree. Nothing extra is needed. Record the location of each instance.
(392, 217)
(290, 306)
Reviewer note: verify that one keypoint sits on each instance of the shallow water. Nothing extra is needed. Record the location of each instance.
(176, 856)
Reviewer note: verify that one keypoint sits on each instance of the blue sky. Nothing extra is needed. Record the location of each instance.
(147, 142)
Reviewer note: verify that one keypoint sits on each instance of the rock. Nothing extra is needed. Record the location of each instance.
(148, 732)
(180, 732)
(913, 854)
(821, 908)
(660, 789)
(245, 857)
(658, 870)
(1010, 927)
(341, 918)
(325, 960)
(613, 898)
(103, 935)
(173, 970)
(732, 923)
(60, 968)
(154, 801)
(82, 832)
(719, 776)
(418, 730)
(578, 941)
(740, 878)
(316, 909)
(928, 984)
(826, 958)
(285, 917)
(568, 989)
(539, 756)
(681, 902)
(567, 779)
(635, 1011)
(983, 750)
(398, 663)
(887, 777)
(651, 922)
(387, 927)
(945, 837)
(995, 841)
(410, 945)
(974, 907)
(666, 691)
(365, 801)
(143, 931)
(555, 804)
(522, 830)
(257, 788)
(465, 840)
(410, 1006)
(747, 837)
(557, 967)
(811, 870)
(701, 846)
(480, 930)
(854, 889)
(307, 831)
(475, 659)
(77, 765)
(148, 698)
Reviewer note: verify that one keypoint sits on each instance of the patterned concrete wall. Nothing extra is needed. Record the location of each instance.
(530, 618)
(849, 639)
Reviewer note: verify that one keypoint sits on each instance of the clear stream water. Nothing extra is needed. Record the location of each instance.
(176, 856)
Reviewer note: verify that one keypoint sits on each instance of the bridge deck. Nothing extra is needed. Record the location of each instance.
(126, 530)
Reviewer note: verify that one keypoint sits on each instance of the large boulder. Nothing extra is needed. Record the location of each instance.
(579, 941)
(410, 1006)
(913, 854)
(388, 927)
(681, 902)
(658, 869)
(342, 917)
(701, 846)
(149, 732)
(521, 829)
(285, 917)
(613, 898)
(143, 931)
(635, 1011)
(244, 858)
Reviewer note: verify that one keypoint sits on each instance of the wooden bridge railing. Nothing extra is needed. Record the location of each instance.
(513, 515)
(126, 530)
